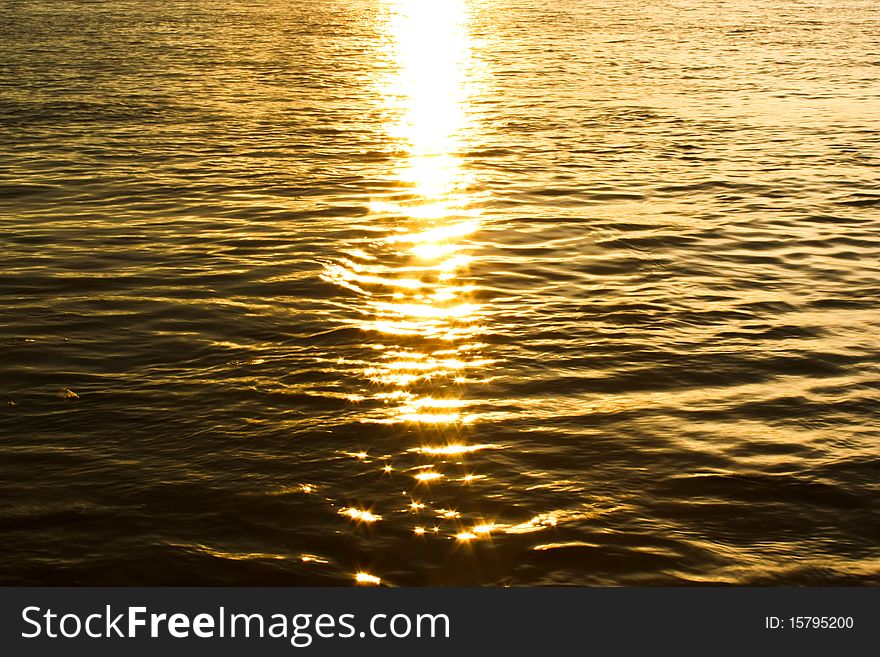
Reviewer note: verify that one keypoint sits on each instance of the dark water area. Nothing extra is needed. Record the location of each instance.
(478, 292)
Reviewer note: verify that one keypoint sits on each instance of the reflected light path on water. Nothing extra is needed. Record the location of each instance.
(411, 272)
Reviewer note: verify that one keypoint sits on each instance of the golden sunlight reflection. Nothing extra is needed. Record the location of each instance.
(430, 46)
(451, 450)
(539, 522)
(409, 274)
(412, 270)
(360, 515)
(365, 579)
(428, 476)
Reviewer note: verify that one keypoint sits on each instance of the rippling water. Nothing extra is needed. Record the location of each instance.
(462, 292)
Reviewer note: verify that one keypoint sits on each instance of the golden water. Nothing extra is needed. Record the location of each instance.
(459, 292)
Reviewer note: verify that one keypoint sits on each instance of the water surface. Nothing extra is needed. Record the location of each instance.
(463, 292)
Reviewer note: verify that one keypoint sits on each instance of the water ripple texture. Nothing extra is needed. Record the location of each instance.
(473, 292)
